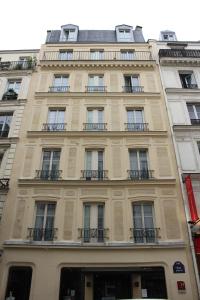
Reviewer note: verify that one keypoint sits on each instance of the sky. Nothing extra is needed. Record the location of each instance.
(24, 23)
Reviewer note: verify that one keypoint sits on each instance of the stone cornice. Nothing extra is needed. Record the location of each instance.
(95, 183)
(107, 95)
(96, 134)
(84, 247)
(186, 128)
(97, 64)
(182, 91)
(169, 61)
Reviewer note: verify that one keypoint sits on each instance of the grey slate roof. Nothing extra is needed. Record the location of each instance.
(93, 36)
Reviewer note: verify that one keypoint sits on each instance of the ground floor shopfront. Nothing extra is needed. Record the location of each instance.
(94, 274)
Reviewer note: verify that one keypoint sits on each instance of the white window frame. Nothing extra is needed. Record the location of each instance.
(51, 158)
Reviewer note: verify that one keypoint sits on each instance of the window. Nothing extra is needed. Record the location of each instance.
(93, 223)
(139, 164)
(95, 119)
(69, 34)
(56, 119)
(50, 164)
(125, 34)
(198, 145)
(95, 83)
(14, 85)
(44, 222)
(143, 223)
(94, 165)
(96, 54)
(194, 113)
(5, 121)
(188, 80)
(60, 84)
(135, 120)
(66, 54)
(132, 84)
(127, 54)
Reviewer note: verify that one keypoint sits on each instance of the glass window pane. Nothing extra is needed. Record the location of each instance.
(100, 160)
(101, 216)
(143, 160)
(138, 116)
(135, 81)
(86, 216)
(60, 116)
(191, 111)
(133, 160)
(130, 116)
(88, 160)
(90, 116)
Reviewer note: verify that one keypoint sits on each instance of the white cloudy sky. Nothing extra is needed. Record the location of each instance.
(23, 23)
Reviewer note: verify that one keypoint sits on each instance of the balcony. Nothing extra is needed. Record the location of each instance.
(95, 89)
(133, 89)
(140, 174)
(4, 183)
(145, 235)
(48, 174)
(17, 65)
(93, 235)
(10, 94)
(190, 86)
(179, 53)
(94, 174)
(136, 126)
(94, 126)
(4, 133)
(42, 234)
(54, 127)
(105, 56)
(195, 121)
(59, 89)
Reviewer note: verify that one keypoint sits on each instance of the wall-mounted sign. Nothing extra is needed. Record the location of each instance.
(178, 267)
(181, 285)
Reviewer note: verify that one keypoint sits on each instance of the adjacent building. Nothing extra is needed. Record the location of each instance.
(16, 67)
(96, 209)
(180, 71)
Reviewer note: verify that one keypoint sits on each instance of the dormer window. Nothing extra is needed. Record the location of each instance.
(124, 33)
(69, 34)
(168, 36)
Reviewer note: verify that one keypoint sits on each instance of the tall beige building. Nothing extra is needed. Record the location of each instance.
(95, 210)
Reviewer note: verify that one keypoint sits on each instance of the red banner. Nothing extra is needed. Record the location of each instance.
(191, 199)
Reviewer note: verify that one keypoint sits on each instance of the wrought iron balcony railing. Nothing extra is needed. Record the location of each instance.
(133, 89)
(94, 174)
(94, 126)
(190, 86)
(48, 174)
(54, 127)
(93, 235)
(89, 56)
(4, 133)
(42, 234)
(195, 121)
(136, 126)
(191, 53)
(59, 89)
(140, 174)
(4, 183)
(16, 65)
(145, 235)
(95, 89)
